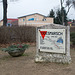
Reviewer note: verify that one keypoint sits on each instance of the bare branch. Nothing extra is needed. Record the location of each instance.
(69, 8)
(62, 1)
(68, 2)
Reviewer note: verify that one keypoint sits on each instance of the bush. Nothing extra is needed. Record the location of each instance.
(72, 29)
(15, 50)
(72, 37)
(17, 47)
(17, 34)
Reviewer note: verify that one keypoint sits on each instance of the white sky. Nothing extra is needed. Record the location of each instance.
(26, 7)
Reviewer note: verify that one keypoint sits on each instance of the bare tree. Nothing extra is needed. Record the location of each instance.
(4, 12)
(67, 4)
(5, 4)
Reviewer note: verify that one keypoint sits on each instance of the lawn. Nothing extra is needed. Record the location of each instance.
(25, 65)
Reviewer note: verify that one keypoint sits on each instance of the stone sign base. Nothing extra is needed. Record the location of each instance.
(50, 56)
(47, 57)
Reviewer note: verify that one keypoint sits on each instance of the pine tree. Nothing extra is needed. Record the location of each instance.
(59, 19)
(52, 13)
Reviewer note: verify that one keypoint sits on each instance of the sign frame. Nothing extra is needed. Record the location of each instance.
(52, 49)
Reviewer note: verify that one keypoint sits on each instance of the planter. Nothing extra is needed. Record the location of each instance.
(16, 53)
(15, 50)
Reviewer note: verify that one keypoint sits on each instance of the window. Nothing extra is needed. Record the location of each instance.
(44, 19)
(9, 24)
(19, 19)
(36, 19)
(23, 20)
(31, 19)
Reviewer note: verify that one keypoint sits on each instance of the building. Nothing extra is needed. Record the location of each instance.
(71, 23)
(35, 19)
(10, 22)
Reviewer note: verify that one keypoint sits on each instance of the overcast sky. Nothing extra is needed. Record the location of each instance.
(25, 7)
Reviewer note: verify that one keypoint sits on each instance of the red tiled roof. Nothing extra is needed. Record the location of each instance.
(69, 22)
(10, 19)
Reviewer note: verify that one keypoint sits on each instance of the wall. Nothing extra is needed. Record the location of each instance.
(1, 23)
(10, 21)
(38, 20)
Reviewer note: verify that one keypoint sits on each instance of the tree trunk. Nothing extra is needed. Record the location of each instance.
(62, 13)
(4, 12)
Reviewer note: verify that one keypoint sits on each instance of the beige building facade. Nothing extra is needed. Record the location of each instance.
(1, 23)
(34, 20)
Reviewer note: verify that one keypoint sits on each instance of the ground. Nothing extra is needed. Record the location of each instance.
(25, 65)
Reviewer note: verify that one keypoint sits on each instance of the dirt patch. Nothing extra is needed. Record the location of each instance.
(72, 46)
(25, 65)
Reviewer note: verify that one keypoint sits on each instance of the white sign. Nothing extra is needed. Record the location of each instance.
(51, 40)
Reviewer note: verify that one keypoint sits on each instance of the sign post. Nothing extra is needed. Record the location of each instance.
(53, 44)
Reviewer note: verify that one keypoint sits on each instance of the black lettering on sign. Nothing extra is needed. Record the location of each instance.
(50, 48)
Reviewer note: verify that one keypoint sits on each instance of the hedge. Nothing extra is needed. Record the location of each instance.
(17, 34)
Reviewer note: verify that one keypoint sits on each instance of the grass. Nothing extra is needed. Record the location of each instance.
(5, 57)
(25, 54)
